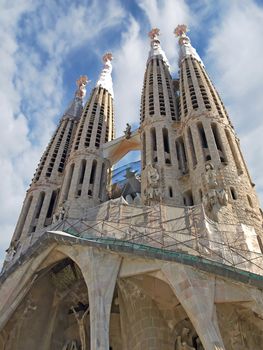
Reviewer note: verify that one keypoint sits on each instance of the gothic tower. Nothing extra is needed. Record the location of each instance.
(86, 173)
(158, 114)
(212, 165)
(42, 195)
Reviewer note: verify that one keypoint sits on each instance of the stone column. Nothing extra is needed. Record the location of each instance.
(196, 293)
(100, 272)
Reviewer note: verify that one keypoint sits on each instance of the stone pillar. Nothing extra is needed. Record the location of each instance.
(100, 272)
(196, 293)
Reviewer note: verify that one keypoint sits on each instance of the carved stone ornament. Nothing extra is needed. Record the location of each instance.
(185, 340)
(153, 183)
(107, 57)
(181, 29)
(154, 33)
(81, 84)
(215, 196)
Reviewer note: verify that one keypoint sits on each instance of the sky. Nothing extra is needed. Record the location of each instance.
(47, 45)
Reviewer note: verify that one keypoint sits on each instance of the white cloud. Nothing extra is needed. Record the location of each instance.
(234, 56)
(35, 40)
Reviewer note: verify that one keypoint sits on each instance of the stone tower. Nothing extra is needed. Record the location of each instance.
(85, 181)
(158, 114)
(88, 269)
(212, 168)
(42, 195)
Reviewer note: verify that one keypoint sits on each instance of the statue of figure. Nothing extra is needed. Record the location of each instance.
(214, 195)
(127, 131)
(59, 215)
(153, 177)
(80, 316)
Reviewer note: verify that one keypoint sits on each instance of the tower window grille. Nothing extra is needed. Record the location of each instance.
(191, 86)
(185, 109)
(55, 152)
(66, 148)
(44, 158)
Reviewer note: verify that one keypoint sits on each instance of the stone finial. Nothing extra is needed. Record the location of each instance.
(181, 29)
(154, 33)
(107, 57)
(81, 84)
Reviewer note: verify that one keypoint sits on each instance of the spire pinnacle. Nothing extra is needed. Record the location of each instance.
(74, 110)
(81, 84)
(186, 49)
(105, 80)
(156, 49)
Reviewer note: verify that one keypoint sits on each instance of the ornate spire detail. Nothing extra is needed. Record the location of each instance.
(156, 49)
(81, 84)
(105, 80)
(76, 106)
(186, 49)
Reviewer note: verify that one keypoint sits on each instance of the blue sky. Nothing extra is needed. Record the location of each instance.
(47, 45)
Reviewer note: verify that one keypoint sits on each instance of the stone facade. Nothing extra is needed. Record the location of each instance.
(179, 267)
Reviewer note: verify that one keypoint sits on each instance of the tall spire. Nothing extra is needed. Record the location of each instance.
(186, 49)
(105, 79)
(156, 49)
(75, 108)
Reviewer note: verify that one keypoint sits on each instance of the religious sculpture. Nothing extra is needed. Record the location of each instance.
(153, 187)
(127, 131)
(215, 196)
(80, 317)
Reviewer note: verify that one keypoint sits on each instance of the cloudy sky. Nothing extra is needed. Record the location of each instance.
(47, 45)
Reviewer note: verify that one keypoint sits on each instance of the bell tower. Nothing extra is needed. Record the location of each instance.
(85, 181)
(42, 195)
(158, 114)
(216, 171)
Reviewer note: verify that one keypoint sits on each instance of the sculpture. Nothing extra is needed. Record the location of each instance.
(80, 316)
(215, 196)
(127, 131)
(153, 177)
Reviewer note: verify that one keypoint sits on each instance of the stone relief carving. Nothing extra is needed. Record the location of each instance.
(153, 192)
(215, 196)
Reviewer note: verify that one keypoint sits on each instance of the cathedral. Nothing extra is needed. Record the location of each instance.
(168, 257)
